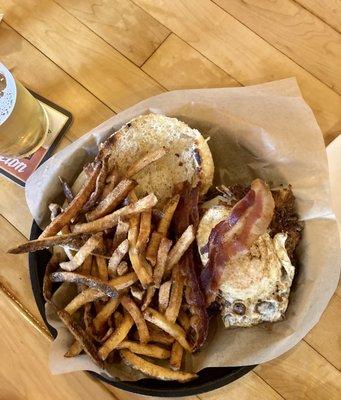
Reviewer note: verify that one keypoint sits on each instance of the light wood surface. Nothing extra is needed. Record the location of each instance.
(96, 58)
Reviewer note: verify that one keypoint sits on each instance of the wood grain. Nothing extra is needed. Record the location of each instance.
(176, 65)
(241, 53)
(302, 373)
(329, 11)
(295, 32)
(24, 371)
(29, 66)
(80, 52)
(325, 337)
(13, 203)
(133, 32)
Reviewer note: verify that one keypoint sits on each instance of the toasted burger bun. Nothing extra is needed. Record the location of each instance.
(188, 157)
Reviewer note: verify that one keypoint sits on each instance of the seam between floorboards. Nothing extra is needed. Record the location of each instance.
(151, 55)
(280, 51)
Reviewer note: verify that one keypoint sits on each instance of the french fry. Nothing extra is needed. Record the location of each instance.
(45, 243)
(144, 277)
(146, 265)
(110, 184)
(168, 215)
(156, 335)
(153, 370)
(171, 328)
(74, 350)
(105, 287)
(118, 318)
(150, 350)
(164, 295)
(176, 356)
(87, 317)
(180, 247)
(175, 299)
(113, 199)
(102, 268)
(108, 309)
(85, 269)
(117, 257)
(130, 306)
(75, 206)
(81, 336)
(117, 337)
(137, 292)
(66, 190)
(121, 233)
(153, 247)
(145, 161)
(82, 253)
(134, 222)
(148, 298)
(111, 220)
(161, 260)
(122, 268)
(51, 267)
(144, 232)
(100, 183)
(82, 298)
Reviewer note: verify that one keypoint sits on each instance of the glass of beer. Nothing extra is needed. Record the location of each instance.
(23, 120)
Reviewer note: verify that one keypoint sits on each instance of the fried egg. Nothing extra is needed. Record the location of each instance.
(255, 286)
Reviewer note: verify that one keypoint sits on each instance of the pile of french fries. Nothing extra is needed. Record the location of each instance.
(117, 249)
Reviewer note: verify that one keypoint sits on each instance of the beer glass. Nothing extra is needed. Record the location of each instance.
(23, 120)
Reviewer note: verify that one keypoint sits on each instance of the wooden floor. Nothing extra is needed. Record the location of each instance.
(97, 57)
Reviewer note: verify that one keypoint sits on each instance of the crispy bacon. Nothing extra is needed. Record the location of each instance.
(249, 219)
(187, 214)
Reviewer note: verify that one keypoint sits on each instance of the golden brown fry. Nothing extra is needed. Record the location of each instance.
(82, 253)
(51, 266)
(45, 243)
(102, 268)
(108, 309)
(145, 161)
(100, 183)
(161, 260)
(111, 183)
(176, 356)
(137, 292)
(75, 206)
(184, 320)
(117, 257)
(130, 306)
(144, 232)
(134, 222)
(180, 247)
(139, 268)
(85, 269)
(66, 190)
(172, 328)
(111, 220)
(150, 350)
(118, 318)
(157, 335)
(82, 337)
(153, 246)
(117, 337)
(105, 287)
(124, 281)
(122, 268)
(164, 295)
(148, 298)
(146, 265)
(175, 299)
(121, 233)
(113, 199)
(168, 215)
(74, 350)
(153, 370)
(82, 298)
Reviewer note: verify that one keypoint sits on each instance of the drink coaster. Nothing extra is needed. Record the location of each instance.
(19, 169)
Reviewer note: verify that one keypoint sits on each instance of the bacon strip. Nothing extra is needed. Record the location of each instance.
(187, 214)
(249, 219)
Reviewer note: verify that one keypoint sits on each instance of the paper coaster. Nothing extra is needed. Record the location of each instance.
(19, 169)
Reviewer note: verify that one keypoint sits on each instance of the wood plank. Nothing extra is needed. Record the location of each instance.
(39, 73)
(248, 387)
(302, 373)
(295, 32)
(241, 53)
(12, 197)
(122, 24)
(176, 65)
(329, 12)
(24, 372)
(80, 52)
(325, 337)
